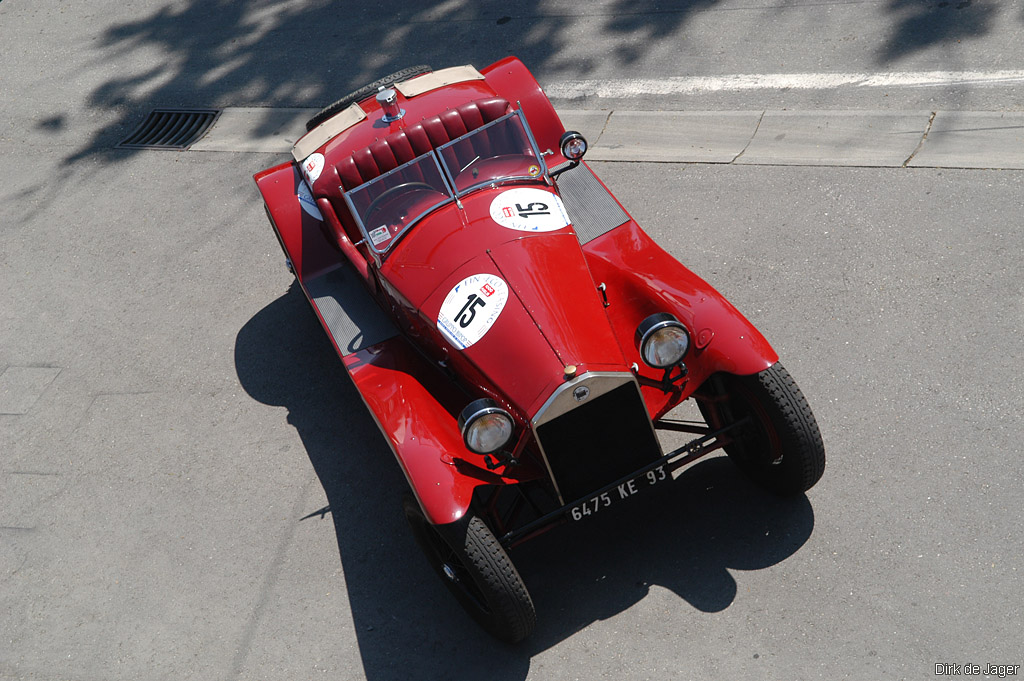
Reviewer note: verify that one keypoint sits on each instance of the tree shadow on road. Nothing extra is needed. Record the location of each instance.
(642, 23)
(920, 25)
(308, 53)
(293, 53)
(686, 537)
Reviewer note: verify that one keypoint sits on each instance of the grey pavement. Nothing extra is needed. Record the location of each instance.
(191, 488)
(875, 139)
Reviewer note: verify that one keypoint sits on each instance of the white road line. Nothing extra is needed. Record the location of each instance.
(623, 88)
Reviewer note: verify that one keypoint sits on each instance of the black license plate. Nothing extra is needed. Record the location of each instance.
(631, 487)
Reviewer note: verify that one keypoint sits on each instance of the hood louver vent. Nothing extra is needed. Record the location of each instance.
(171, 129)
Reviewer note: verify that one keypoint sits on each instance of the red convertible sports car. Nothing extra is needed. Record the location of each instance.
(515, 334)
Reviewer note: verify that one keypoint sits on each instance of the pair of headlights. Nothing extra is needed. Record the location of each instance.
(487, 428)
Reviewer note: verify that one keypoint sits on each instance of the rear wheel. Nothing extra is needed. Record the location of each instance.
(364, 92)
(474, 566)
(779, 447)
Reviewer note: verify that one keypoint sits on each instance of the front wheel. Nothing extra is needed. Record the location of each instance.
(474, 566)
(779, 445)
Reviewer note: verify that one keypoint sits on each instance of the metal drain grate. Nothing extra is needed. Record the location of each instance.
(171, 129)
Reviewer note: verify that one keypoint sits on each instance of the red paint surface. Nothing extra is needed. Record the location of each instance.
(642, 279)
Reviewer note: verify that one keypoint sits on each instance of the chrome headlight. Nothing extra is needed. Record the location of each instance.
(485, 426)
(662, 340)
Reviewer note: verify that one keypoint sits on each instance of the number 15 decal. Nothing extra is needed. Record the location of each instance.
(533, 208)
(529, 209)
(471, 308)
(468, 312)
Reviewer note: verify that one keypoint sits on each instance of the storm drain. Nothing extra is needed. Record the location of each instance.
(171, 129)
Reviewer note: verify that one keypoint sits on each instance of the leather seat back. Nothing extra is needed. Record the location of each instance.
(389, 152)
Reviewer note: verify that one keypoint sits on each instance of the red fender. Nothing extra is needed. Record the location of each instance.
(302, 234)
(641, 279)
(416, 409)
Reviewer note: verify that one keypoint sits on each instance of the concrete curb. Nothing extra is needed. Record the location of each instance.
(256, 130)
(832, 138)
(876, 139)
(973, 139)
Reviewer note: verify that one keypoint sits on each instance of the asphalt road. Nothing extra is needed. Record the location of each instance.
(173, 422)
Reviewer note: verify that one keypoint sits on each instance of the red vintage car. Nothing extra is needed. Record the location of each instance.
(515, 334)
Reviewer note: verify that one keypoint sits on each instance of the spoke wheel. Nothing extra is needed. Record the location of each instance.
(779, 447)
(474, 566)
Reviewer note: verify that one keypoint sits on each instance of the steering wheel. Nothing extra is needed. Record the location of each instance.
(388, 193)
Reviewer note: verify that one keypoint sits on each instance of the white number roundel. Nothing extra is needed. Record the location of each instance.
(529, 209)
(471, 308)
(312, 167)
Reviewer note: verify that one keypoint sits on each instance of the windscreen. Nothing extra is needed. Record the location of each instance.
(388, 205)
(501, 150)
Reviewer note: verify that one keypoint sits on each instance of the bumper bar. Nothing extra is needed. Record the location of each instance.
(688, 453)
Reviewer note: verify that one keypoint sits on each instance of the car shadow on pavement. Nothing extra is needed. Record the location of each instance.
(406, 623)
(685, 537)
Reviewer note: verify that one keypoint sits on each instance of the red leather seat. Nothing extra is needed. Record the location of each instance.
(391, 151)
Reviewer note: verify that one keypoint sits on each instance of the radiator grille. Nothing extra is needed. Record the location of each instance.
(598, 442)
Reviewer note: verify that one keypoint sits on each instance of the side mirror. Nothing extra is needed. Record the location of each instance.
(573, 146)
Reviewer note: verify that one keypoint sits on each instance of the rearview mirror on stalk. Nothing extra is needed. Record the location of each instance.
(573, 146)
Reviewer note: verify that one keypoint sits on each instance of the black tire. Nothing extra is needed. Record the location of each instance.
(474, 566)
(364, 92)
(780, 448)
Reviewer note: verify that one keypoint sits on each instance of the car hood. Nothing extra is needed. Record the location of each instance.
(520, 306)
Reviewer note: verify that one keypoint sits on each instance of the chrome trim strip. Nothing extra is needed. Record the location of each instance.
(561, 401)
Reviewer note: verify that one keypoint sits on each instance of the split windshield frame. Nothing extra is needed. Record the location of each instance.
(447, 177)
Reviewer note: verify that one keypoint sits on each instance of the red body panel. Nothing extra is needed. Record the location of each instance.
(437, 246)
(512, 80)
(512, 358)
(553, 317)
(551, 280)
(413, 403)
